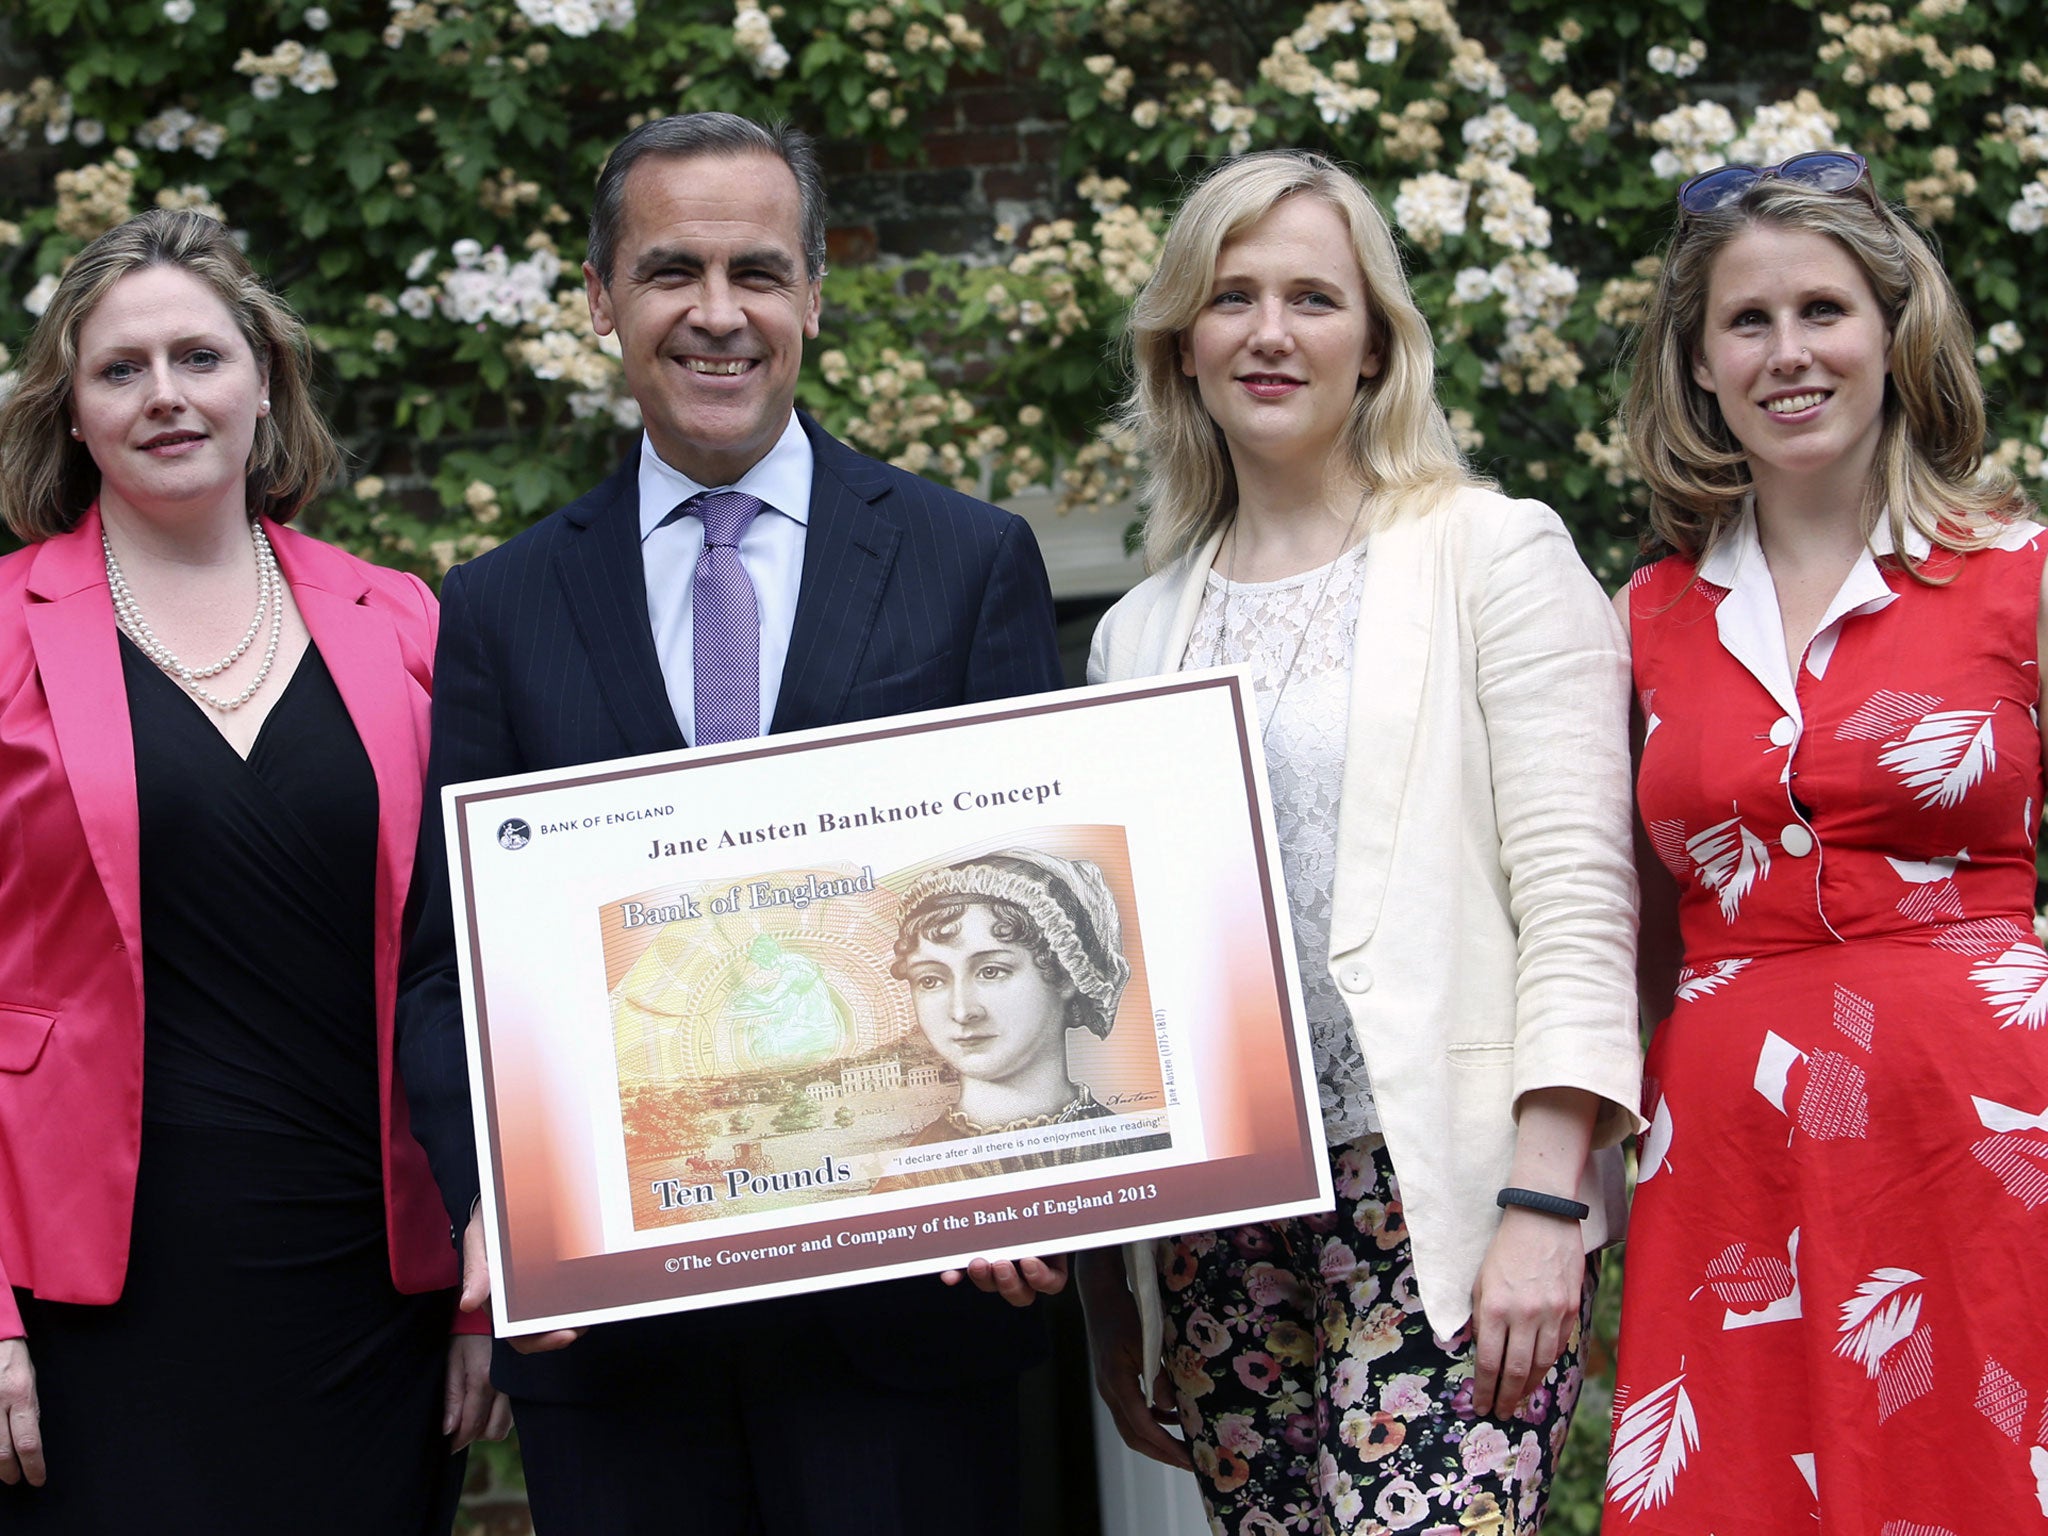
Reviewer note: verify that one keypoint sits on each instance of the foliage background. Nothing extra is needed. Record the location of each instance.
(415, 173)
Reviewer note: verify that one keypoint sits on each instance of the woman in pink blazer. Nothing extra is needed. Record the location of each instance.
(222, 1257)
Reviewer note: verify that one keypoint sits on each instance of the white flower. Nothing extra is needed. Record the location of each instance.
(315, 72)
(1472, 70)
(1782, 129)
(753, 35)
(39, 296)
(577, 18)
(2027, 128)
(1509, 214)
(2005, 336)
(1474, 285)
(1534, 288)
(166, 131)
(488, 285)
(1663, 60)
(179, 11)
(266, 87)
(1693, 137)
(317, 19)
(89, 131)
(207, 140)
(1500, 135)
(417, 302)
(1431, 208)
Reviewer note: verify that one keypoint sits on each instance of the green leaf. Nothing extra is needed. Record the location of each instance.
(821, 52)
(364, 166)
(532, 487)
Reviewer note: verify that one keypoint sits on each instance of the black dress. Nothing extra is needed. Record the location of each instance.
(259, 1373)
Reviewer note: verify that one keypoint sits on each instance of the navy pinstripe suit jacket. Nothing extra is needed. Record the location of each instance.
(912, 597)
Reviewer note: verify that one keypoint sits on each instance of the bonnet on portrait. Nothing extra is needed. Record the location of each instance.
(1930, 473)
(1398, 440)
(1064, 913)
(48, 478)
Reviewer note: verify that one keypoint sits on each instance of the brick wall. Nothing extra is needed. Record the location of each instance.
(992, 151)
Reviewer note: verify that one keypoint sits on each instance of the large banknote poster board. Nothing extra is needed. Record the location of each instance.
(823, 1008)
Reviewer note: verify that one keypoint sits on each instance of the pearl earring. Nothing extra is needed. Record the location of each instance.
(263, 409)
(76, 433)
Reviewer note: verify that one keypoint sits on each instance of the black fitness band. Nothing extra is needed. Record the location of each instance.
(1550, 1205)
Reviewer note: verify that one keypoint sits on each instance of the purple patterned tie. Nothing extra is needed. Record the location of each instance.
(725, 621)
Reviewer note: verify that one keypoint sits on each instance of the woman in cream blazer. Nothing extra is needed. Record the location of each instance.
(1477, 897)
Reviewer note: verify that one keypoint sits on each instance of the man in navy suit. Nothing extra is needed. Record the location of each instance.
(743, 571)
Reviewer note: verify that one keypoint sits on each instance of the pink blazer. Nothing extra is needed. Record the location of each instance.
(70, 943)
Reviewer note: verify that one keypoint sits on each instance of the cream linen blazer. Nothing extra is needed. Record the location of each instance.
(1483, 925)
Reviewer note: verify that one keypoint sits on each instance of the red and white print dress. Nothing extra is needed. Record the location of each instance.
(1835, 1318)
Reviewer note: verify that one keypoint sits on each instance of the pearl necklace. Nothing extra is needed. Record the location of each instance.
(269, 600)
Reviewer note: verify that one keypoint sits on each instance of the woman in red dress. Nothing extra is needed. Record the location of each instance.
(1834, 1313)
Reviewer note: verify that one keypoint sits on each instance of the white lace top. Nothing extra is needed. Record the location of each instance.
(1263, 624)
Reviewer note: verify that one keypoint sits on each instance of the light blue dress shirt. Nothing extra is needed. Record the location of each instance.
(771, 550)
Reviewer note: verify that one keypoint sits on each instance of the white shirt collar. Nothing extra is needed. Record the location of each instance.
(1750, 626)
(781, 479)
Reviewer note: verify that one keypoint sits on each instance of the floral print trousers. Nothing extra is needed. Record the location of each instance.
(1316, 1399)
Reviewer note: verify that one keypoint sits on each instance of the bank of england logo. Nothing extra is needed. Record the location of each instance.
(514, 833)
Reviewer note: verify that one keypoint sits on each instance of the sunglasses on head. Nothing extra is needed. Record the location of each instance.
(1821, 170)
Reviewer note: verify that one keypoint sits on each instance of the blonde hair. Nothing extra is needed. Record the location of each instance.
(1929, 472)
(1397, 441)
(48, 479)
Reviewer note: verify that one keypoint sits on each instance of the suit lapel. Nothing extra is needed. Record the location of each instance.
(605, 586)
(849, 550)
(70, 620)
(1164, 640)
(1390, 663)
(359, 644)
